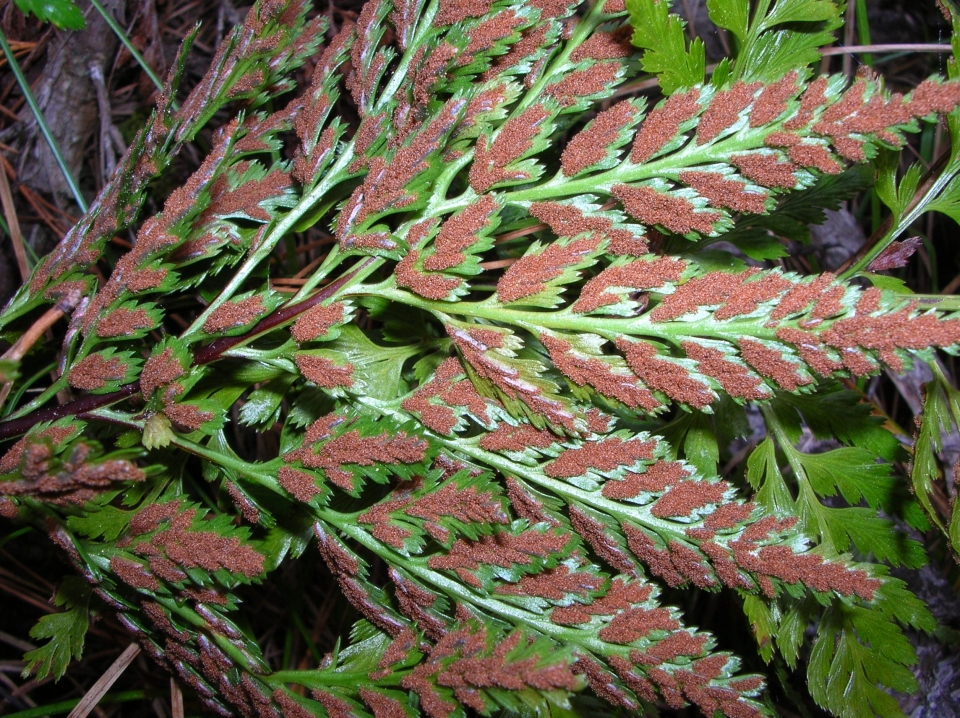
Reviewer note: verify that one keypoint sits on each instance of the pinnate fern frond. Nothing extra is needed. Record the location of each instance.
(497, 388)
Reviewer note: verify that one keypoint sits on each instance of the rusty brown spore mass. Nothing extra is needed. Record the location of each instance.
(475, 344)
(515, 138)
(187, 416)
(459, 233)
(606, 547)
(675, 213)
(766, 169)
(159, 370)
(488, 33)
(723, 191)
(452, 392)
(634, 276)
(388, 180)
(451, 500)
(466, 504)
(527, 506)
(591, 145)
(772, 101)
(191, 546)
(234, 314)
(530, 43)
(685, 497)
(11, 459)
(604, 455)
(735, 378)
(122, 321)
(812, 99)
(555, 584)
(363, 56)
(455, 11)
(530, 274)
(734, 294)
(663, 124)
(770, 363)
(339, 452)
(602, 684)
(317, 321)
(76, 479)
(95, 371)
(592, 371)
(583, 83)
(724, 110)
(324, 372)
(655, 478)
(567, 220)
(500, 549)
(300, 484)
(427, 285)
(664, 375)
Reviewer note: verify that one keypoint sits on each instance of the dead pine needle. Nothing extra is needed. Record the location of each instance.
(103, 684)
(16, 236)
(176, 699)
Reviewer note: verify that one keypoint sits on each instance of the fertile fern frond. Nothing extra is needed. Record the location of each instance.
(496, 384)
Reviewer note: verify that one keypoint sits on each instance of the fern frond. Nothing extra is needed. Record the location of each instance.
(498, 401)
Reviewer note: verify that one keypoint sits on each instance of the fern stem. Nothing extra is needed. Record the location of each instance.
(319, 679)
(927, 193)
(511, 468)
(863, 29)
(25, 419)
(755, 27)
(628, 173)
(947, 302)
(610, 328)
(344, 524)
(330, 262)
(331, 178)
(20, 423)
(564, 489)
(808, 506)
(496, 607)
(401, 73)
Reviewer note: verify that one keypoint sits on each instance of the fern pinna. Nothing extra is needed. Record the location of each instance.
(508, 382)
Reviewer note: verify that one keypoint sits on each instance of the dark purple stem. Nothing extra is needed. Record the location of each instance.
(216, 349)
(204, 355)
(14, 427)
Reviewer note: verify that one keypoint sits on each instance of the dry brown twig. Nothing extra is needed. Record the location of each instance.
(30, 337)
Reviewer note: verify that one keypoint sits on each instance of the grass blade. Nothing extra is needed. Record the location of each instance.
(64, 706)
(38, 115)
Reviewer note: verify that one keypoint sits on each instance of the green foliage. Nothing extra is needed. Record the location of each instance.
(63, 13)
(661, 35)
(941, 413)
(65, 630)
(858, 650)
(779, 36)
(500, 402)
